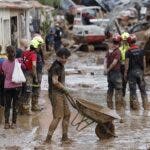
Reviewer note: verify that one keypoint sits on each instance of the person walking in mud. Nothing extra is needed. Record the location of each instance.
(12, 90)
(112, 70)
(57, 92)
(134, 71)
(123, 48)
(39, 68)
(29, 59)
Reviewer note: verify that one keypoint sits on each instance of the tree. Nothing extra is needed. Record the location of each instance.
(54, 3)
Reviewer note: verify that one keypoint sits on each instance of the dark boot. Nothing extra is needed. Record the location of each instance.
(109, 100)
(20, 109)
(146, 104)
(119, 101)
(134, 104)
(35, 106)
(1, 113)
(26, 110)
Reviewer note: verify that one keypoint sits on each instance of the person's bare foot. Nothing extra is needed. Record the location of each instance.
(48, 139)
(49, 142)
(66, 141)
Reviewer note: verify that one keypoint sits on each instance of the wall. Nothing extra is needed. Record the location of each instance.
(5, 38)
(22, 31)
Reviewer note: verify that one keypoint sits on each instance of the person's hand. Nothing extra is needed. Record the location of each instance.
(65, 90)
(105, 72)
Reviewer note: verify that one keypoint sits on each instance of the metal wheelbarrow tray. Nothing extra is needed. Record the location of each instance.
(93, 113)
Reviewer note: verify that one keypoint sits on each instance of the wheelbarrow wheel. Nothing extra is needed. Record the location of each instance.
(105, 130)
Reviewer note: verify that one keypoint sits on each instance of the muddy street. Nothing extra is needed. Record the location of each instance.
(85, 79)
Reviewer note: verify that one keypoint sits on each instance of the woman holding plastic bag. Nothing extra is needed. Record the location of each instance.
(12, 88)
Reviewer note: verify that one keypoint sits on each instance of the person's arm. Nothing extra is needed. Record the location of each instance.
(3, 67)
(105, 66)
(112, 65)
(117, 57)
(34, 70)
(56, 83)
(144, 61)
(42, 54)
(126, 68)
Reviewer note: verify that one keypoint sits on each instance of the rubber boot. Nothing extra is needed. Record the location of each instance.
(119, 101)
(26, 110)
(145, 103)
(134, 103)
(35, 106)
(110, 100)
(1, 113)
(20, 108)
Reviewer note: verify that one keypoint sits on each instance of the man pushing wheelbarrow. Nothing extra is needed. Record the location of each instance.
(58, 94)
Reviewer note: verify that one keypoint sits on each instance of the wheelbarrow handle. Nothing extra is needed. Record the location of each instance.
(71, 100)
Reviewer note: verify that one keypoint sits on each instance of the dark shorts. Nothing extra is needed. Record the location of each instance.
(114, 80)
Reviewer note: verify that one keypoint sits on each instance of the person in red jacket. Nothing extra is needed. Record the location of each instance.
(134, 71)
(29, 59)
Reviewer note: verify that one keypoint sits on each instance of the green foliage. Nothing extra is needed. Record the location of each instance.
(54, 3)
(45, 27)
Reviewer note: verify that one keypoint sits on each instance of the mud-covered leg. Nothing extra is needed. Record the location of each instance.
(110, 99)
(134, 104)
(119, 101)
(141, 85)
(110, 92)
(65, 122)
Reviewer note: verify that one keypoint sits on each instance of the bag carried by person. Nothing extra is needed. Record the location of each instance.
(18, 76)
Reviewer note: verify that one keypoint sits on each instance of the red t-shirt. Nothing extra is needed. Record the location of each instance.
(28, 57)
(114, 55)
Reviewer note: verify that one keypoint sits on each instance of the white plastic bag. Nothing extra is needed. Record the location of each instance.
(18, 76)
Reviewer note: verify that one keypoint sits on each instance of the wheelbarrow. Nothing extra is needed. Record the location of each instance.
(93, 113)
